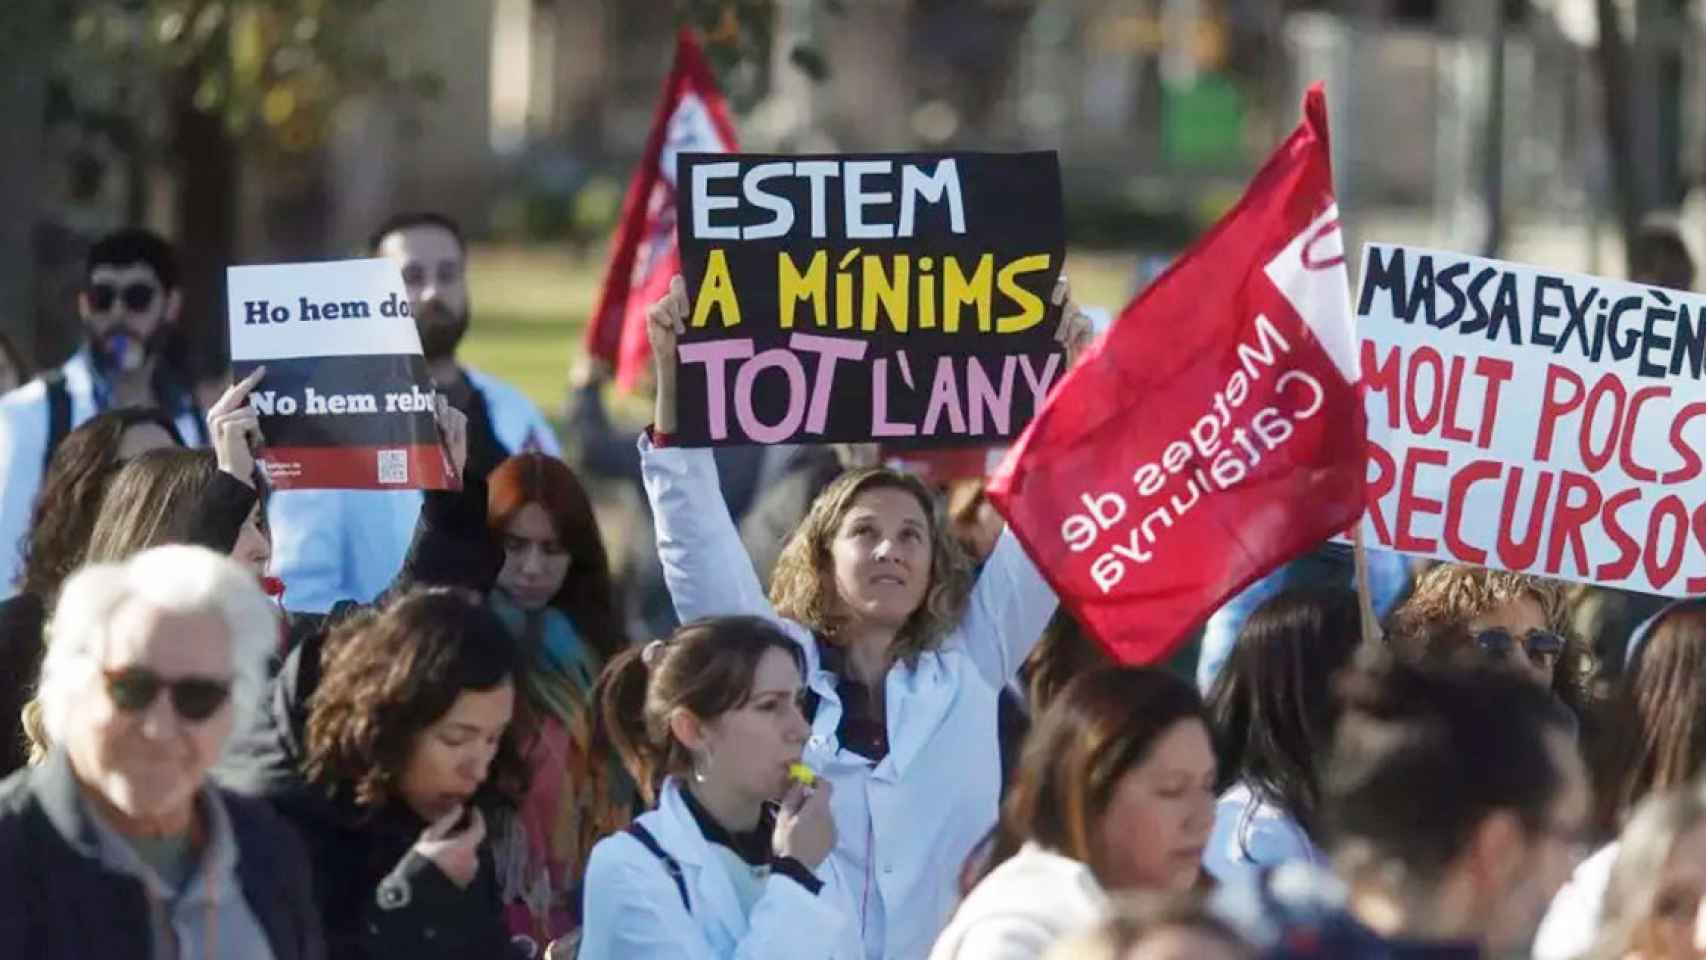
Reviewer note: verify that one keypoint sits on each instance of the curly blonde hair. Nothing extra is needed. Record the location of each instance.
(1434, 622)
(802, 588)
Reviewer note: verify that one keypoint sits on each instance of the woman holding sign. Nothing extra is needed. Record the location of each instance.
(905, 656)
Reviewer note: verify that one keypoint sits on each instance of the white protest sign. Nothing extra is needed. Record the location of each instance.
(1541, 422)
(346, 402)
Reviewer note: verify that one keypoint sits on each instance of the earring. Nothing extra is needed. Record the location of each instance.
(702, 767)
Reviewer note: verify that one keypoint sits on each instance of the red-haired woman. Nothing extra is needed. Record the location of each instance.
(553, 592)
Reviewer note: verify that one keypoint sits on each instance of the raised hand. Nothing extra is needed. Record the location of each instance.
(234, 428)
(1074, 332)
(453, 427)
(666, 320)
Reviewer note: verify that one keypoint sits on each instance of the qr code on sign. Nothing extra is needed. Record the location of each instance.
(393, 466)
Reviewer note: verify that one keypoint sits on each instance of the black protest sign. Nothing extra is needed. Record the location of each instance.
(903, 298)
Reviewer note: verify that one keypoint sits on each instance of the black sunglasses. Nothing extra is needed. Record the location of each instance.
(134, 689)
(137, 296)
(1541, 646)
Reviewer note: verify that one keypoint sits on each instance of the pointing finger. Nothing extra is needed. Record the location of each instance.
(254, 378)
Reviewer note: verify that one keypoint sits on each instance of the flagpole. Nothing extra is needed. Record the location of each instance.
(1371, 632)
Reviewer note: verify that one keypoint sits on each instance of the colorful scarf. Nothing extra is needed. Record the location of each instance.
(574, 799)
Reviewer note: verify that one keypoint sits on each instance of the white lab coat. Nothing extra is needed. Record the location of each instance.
(23, 442)
(906, 825)
(1023, 908)
(332, 545)
(1572, 921)
(633, 908)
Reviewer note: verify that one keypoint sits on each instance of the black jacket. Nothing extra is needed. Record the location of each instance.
(378, 898)
(56, 901)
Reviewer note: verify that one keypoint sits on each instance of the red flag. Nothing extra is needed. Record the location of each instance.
(1215, 432)
(692, 118)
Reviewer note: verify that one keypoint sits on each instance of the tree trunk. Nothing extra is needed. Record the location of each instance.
(205, 163)
(23, 102)
(1617, 87)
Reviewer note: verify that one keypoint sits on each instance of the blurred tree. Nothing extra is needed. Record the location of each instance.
(198, 89)
(26, 29)
(740, 41)
(1642, 83)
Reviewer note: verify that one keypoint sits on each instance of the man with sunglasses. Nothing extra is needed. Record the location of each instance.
(335, 545)
(129, 305)
(116, 844)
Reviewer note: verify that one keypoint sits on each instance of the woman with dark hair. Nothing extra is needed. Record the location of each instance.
(391, 748)
(1115, 792)
(906, 653)
(733, 861)
(1657, 743)
(76, 479)
(1273, 710)
(65, 511)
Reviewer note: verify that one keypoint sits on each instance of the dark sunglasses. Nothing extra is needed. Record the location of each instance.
(134, 689)
(1541, 646)
(137, 296)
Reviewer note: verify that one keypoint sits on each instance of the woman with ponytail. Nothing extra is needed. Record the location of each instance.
(733, 859)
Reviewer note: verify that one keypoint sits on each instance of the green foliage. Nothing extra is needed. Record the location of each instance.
(272, 70)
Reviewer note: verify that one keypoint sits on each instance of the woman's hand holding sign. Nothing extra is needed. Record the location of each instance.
(234, 427)
(1073, 333)
(666, 320)
(453, 428)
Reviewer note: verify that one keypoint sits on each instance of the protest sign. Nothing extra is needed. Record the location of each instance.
(1214, 433)
(1536, 421)
(692, 116)
(346, 402)
(900, 298)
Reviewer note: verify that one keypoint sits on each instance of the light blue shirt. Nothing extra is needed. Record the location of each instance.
(334, 545)
(1250, 834)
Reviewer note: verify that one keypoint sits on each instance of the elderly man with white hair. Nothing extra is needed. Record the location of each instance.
(115, 844)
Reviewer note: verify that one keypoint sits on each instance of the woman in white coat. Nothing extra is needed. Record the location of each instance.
(709, 723)
(1114, 794)
(905, 658)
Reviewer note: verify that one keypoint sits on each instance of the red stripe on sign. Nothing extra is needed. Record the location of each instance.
(404, 467)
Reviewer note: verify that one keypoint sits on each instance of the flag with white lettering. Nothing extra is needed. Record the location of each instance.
(1215, 432)
(692, 118)
(346, 402)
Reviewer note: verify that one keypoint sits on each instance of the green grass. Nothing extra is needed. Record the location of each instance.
(531, 306)
(530, 309)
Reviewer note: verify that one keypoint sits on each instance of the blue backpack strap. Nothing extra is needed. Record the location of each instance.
(650, 843)
(58, 413)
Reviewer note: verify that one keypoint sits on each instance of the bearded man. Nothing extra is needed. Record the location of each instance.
(334, 545)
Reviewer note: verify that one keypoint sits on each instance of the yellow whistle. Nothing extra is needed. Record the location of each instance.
(802, 774)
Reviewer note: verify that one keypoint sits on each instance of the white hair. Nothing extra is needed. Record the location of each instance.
(175, 579)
